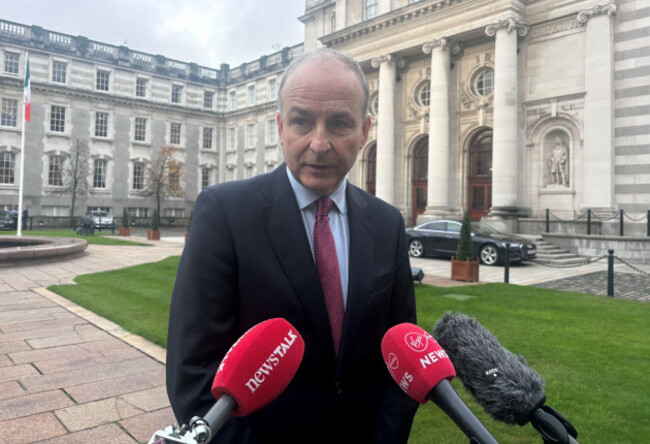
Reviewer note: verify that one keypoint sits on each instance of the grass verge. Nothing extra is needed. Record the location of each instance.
(592, 351)
(100, 238)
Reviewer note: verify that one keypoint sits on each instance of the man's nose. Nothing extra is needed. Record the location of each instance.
(320, 142)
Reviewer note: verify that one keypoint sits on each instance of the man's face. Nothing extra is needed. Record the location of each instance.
(322, 129)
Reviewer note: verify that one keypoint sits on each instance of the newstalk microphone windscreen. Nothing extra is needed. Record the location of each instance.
(260, 365)
(415, 360)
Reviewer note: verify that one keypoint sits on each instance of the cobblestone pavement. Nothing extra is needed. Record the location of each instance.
(626, 285)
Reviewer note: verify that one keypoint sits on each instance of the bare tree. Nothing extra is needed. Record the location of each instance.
(165, 176)
(75, 171)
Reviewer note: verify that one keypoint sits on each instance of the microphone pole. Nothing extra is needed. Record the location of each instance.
(445, 396)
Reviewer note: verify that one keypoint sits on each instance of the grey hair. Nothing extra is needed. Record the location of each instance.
(326, 55)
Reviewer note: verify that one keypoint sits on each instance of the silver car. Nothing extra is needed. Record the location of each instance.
(102, 219)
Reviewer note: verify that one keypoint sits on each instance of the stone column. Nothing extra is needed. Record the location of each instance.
(438, 162)
(505, 156)
(598, 169)
(385, 180)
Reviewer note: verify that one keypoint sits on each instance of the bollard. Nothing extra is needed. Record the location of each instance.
(589, 221)
(506, 265)
(610, 273)
(547, 219)
(620, 230)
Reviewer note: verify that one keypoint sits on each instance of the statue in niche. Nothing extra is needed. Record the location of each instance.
(559, 162)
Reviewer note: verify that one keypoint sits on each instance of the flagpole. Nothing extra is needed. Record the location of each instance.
(19, 218)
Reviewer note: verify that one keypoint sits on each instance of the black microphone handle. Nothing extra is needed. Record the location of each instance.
(219, 413)
(445, 396)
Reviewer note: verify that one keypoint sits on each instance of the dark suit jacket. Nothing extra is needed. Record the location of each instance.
(248, 260)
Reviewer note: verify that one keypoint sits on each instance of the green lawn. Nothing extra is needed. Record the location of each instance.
(100, 238)
(592, 351)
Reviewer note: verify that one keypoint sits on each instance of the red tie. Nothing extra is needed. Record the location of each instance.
(328, 269)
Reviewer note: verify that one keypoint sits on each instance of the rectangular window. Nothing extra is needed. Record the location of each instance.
(370, 9)
(138, 176)
(7, 166)
(140, 131)
(273, 89)
(54, 177)
(232, 95)
(230, 174)
(249, 172)
(232, 139)
(57, 118)
(177, 91)
(174, 212)
(271, 132)
(333, 22)
(103, 80)
(207, 138)
(250, 135)
(205, 178)
(207, 99)
(54, 210)
(59, 72)
(251, 95)
(175, 133)
(101, 124)
(99, 174)
(141, 87)
(137, 212)
(9, 112)
(11, 62)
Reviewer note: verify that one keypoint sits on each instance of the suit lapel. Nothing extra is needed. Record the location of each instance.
(285, 231)
(360, 269)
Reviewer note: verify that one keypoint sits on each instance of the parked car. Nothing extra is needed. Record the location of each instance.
(101, 219)
(440, 237)
(7, 221)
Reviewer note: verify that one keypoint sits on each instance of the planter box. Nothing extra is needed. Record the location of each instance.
(125, 231)
(464, 270)
(153, 235)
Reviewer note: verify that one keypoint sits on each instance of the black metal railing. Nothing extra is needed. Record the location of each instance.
(589, 215)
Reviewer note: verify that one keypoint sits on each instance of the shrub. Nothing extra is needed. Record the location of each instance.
(465, 249)
(154, 221)
(125, 218)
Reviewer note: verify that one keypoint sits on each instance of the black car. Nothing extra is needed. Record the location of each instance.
(7, 221)
(440, 237)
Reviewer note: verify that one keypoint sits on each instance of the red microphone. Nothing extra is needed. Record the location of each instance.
(256, 369)
(259, 366)
(423, 371)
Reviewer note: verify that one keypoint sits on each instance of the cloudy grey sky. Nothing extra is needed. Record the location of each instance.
(207, 32)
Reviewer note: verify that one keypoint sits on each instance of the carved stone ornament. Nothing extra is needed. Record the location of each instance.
(382, 59)
(609, 9)
(510, 25)
(427, 47)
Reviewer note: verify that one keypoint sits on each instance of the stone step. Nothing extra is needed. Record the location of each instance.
(568, 261)
(566, 255)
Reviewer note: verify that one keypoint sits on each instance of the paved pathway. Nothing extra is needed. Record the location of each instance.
(69, 376)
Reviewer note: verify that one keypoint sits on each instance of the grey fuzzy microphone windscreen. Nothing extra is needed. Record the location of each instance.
(501, 382)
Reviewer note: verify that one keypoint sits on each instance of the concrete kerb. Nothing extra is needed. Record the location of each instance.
(138, 342)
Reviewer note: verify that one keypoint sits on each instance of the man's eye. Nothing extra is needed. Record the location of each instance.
(300, 122)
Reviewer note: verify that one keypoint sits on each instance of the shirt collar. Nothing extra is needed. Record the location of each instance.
(306, 197)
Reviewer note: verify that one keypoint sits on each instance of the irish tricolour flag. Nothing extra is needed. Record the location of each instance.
(28, 94)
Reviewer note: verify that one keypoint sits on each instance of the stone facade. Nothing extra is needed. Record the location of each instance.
(505, 107)
(533, 104)
(127, 105)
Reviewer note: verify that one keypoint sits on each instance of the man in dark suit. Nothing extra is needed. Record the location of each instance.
(250, 256)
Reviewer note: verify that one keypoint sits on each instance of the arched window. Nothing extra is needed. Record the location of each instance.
(423, 93)
(484, 82)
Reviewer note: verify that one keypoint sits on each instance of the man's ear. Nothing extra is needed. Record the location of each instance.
(278, 119)
(366, 129)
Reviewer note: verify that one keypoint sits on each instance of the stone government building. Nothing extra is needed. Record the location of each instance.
(505, 107)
